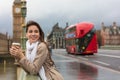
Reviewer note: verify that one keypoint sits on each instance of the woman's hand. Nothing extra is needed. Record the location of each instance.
(17, 52)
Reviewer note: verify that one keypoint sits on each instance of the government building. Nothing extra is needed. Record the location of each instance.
(56, 37)
(110, 34)
(5, 43)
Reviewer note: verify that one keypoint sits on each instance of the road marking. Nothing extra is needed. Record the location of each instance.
(83, 58)
(66, 57)
(64, 60)
(100, 62)
(109, 55)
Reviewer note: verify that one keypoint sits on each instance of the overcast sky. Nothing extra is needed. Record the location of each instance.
(49, 12)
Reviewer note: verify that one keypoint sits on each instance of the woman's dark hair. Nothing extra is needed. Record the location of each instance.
(41, 33)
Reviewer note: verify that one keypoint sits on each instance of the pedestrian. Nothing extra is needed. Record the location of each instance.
(49, 48)
(37, 60)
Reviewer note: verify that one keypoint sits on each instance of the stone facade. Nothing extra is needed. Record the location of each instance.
(56, 37)
(5, 43)
(110, 34)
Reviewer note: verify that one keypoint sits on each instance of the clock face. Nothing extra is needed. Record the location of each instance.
(17, 10)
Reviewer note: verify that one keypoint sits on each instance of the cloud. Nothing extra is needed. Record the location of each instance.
(49, 12)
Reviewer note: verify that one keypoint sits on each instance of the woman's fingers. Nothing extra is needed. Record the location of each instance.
(16, 51)
(15, 47)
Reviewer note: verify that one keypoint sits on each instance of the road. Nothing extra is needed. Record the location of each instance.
(106, 58)
(102, 66)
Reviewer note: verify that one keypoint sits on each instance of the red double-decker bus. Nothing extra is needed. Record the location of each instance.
(81, 38)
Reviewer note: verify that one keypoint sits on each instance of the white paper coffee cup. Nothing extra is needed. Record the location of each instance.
(15, 44)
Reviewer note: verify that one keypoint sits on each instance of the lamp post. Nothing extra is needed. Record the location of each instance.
(54, 45)
(23, 13)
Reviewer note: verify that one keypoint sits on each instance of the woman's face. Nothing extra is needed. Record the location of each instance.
(33, 34)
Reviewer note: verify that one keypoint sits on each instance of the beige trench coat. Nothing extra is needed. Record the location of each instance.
(42, 58)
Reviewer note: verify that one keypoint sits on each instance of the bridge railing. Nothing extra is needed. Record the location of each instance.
(22, 75)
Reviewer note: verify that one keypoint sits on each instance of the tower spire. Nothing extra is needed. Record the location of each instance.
(17, 1)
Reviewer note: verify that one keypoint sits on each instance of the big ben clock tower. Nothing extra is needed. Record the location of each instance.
(18, 19)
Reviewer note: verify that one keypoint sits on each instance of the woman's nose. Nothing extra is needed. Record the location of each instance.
(33, 33)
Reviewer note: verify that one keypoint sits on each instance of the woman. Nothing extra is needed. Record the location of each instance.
(38, 59)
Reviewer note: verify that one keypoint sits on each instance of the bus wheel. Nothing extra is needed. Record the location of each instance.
(91, 54)
(68, 52)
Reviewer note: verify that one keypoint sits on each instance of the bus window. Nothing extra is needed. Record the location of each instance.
(77, 41)
(81, 31)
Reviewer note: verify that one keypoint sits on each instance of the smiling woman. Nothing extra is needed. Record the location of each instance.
(37, 60)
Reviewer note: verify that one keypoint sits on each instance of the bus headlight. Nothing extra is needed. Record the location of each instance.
(83, 47)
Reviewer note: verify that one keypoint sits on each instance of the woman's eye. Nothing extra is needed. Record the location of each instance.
(36, 31)
(30, 31)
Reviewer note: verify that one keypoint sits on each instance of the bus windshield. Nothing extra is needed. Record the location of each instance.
(83, 42)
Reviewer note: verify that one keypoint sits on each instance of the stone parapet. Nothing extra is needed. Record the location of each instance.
(22, 75)
(112, 47)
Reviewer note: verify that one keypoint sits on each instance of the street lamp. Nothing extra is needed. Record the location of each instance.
(23, 13)
(54, 43)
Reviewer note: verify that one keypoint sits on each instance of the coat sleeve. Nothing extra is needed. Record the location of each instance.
(35, 66)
